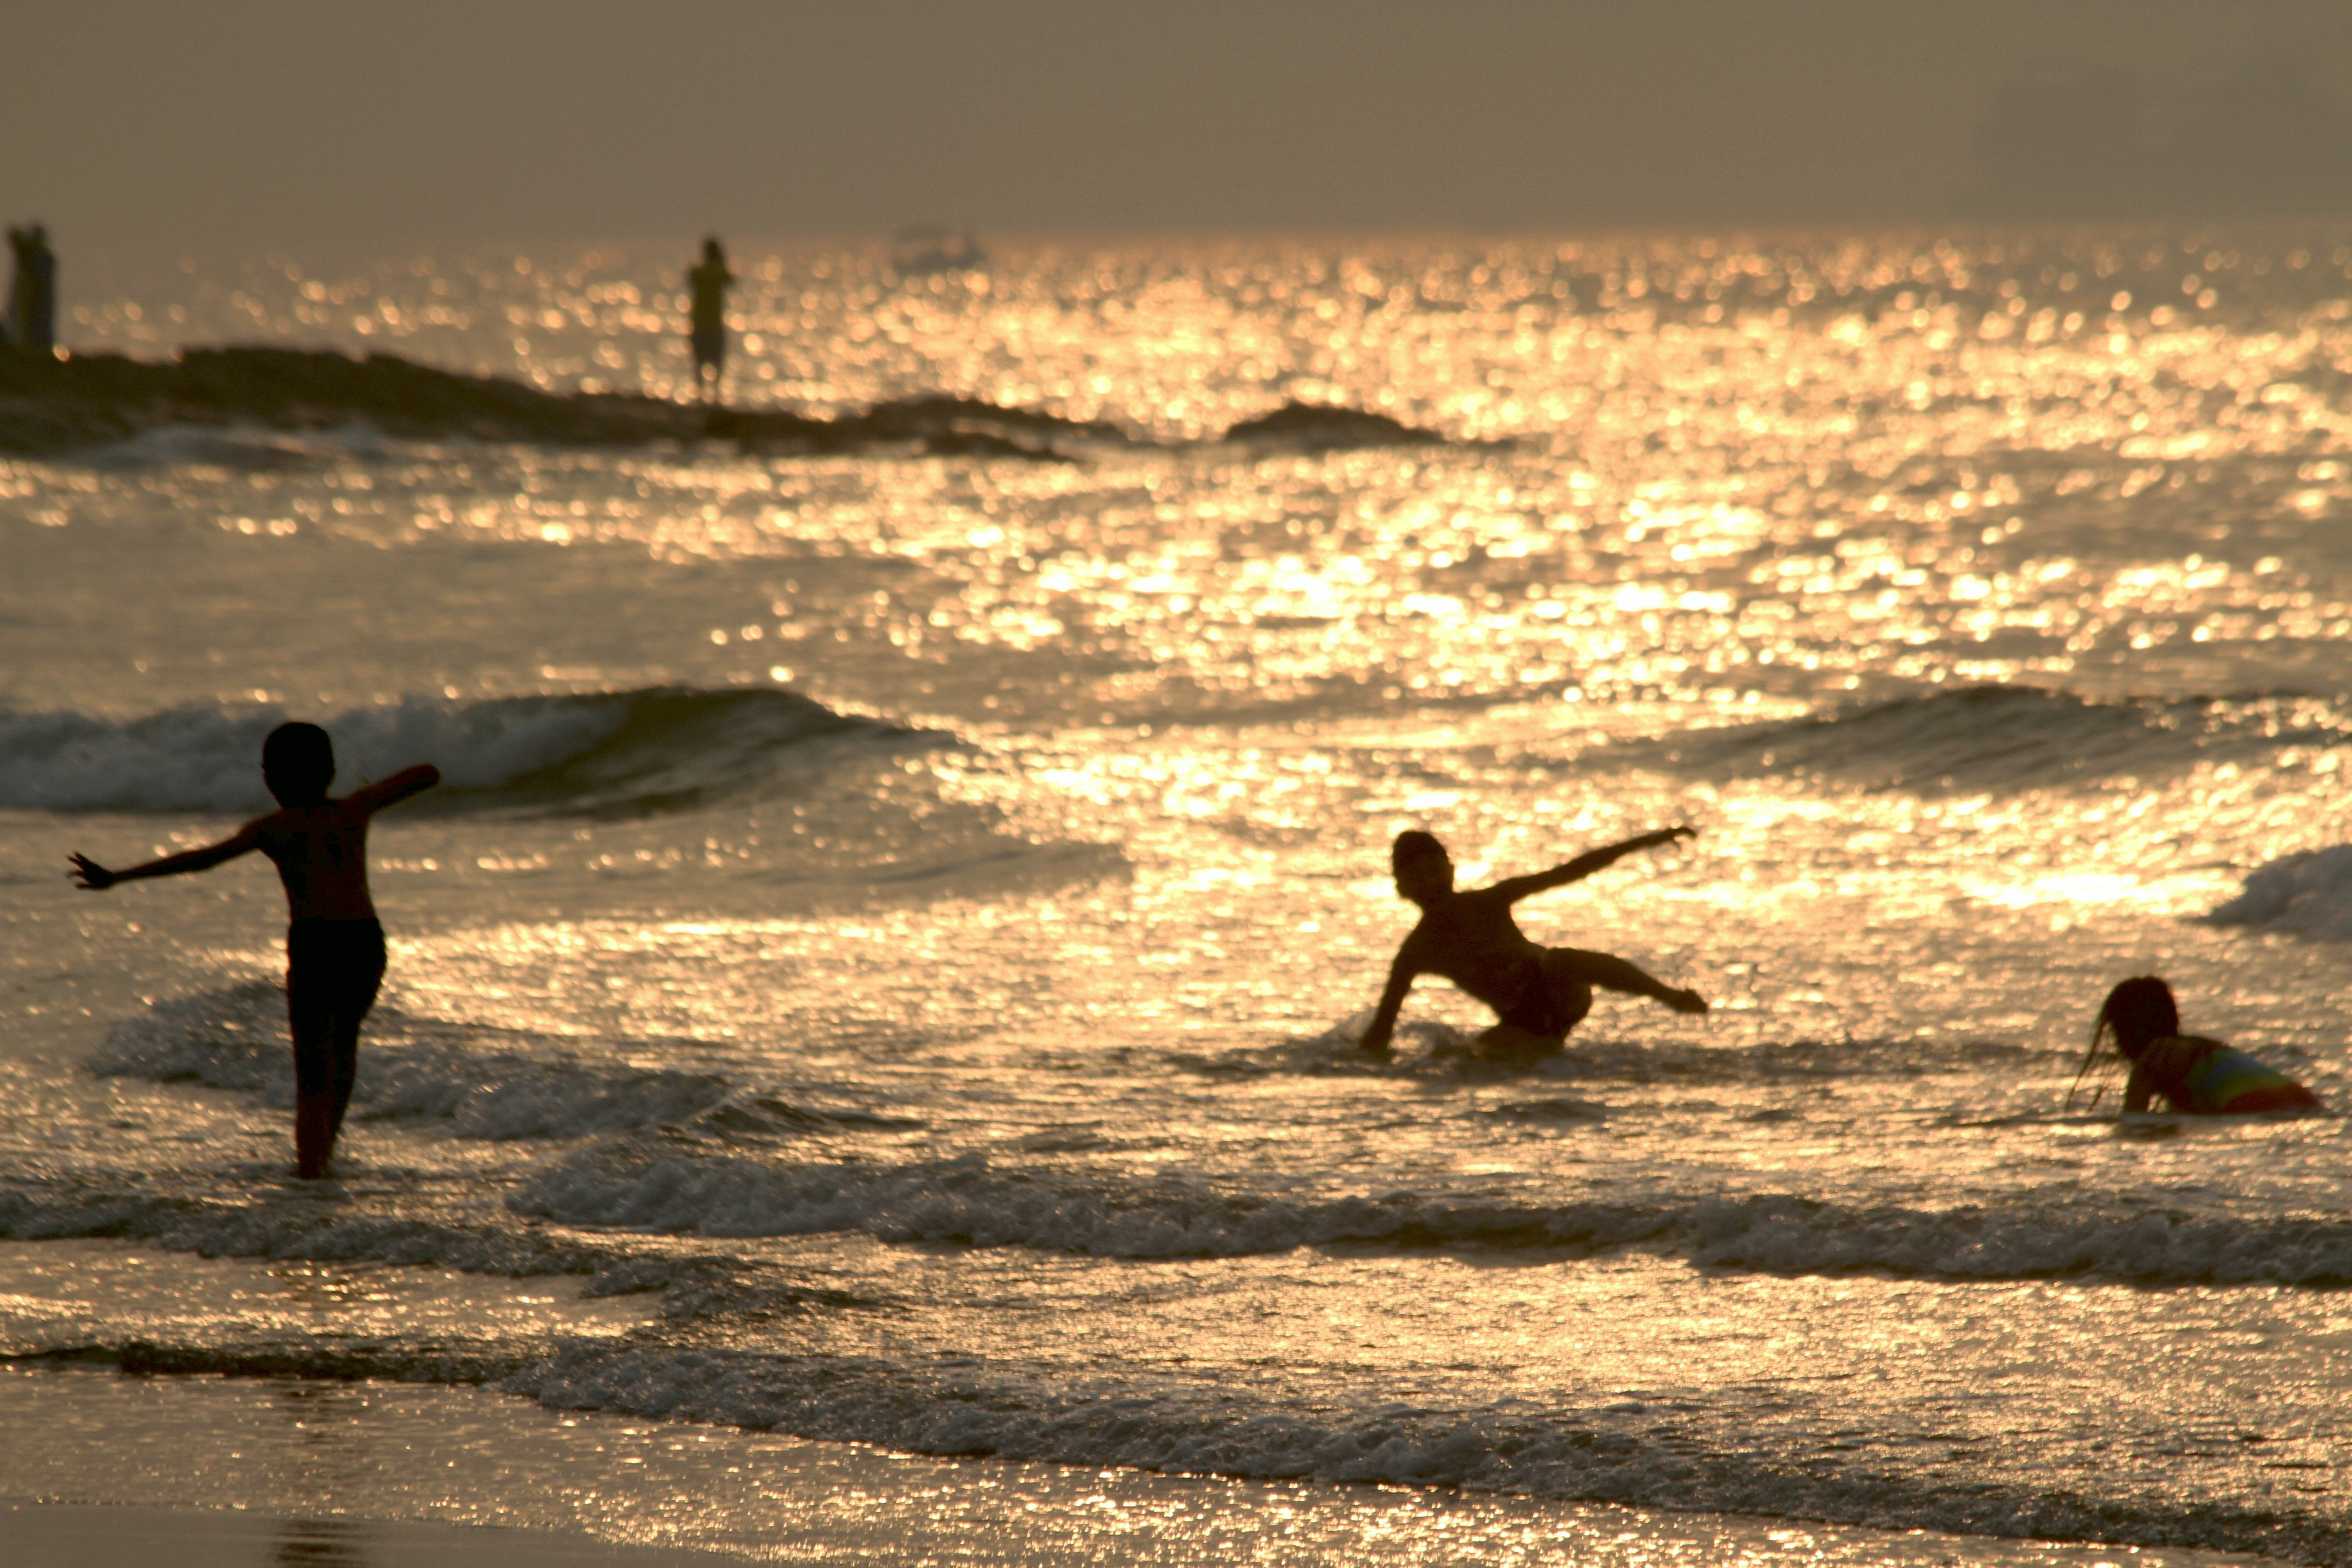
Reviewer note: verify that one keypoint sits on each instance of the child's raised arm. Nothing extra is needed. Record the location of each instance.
(398, 787)
(1514, 888)
(88, 874)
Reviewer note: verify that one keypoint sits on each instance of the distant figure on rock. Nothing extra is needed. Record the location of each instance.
(710, 282)
(33, 292)
(1538, 992)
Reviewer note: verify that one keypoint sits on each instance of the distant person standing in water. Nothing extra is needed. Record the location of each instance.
(334, 946)
(1538, 992)
(33, 292)
(710, 282)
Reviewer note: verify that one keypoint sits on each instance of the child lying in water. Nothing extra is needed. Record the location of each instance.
(2193, 1073)
(1538, 992)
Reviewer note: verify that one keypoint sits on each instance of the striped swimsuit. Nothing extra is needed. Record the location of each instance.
(2209, 1078)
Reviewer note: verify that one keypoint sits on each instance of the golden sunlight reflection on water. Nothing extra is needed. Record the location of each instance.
(1844, 466)
(1981, 601)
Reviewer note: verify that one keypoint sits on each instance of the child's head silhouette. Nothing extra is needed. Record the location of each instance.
(298, 763)
(2140, 1010)
(1423, 868)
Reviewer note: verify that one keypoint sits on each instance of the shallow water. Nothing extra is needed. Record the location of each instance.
(883, 966)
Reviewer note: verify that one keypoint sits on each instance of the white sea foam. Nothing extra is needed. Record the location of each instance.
(978, 1203)
(2307, 895)
(1771, 1451)
(288, 1228)
(972, 1202)
(1707, 1457)
(470, 1084)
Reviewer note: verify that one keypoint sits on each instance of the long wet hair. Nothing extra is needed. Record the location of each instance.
(2137, 1012)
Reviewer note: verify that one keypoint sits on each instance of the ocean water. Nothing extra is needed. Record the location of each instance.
(884, 964)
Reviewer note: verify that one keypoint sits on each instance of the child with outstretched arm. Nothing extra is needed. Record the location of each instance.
(334, 944)
(1538, 992)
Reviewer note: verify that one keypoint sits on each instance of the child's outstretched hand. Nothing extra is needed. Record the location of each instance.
(89, 875)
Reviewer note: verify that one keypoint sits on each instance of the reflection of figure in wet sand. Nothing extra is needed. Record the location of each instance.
(708, 282)
(1539, 993)
(334, 946)
(321, 1544)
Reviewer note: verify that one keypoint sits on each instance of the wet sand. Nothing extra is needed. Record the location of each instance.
(109, 1472)
(61, 1535)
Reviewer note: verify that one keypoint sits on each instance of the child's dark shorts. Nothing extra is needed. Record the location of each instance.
(333, 970)
(1554, 1000)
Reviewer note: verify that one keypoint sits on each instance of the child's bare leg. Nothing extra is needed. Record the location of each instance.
(346, 1067)
(1613, 973)
(327, 999)
(324, 1091)
(313, 1025)
(314, 1135)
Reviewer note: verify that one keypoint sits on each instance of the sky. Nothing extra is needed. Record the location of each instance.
(245, 125)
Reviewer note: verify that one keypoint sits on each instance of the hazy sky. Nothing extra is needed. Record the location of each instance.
(245, 124)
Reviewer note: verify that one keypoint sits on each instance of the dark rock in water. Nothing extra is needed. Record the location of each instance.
(983, 443)
(922, 418)
(940, 425)
(770, 429)
(1318, 427)
(56, 405)
(50, 405)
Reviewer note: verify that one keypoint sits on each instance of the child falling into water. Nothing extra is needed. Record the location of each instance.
(334, 944)
(2193, 1074)
(1539, 994)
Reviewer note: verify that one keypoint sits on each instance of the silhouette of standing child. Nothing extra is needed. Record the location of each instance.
(710, 282)
(334, 944)
(1539, 994)
(2194, 1074)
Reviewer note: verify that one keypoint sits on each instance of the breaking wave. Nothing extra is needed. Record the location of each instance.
(1709, 1455)
(1738, 1449)
(662, 748)
(697, 1149)
(2307, 895)
(1999, 739)
(973, 1202)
